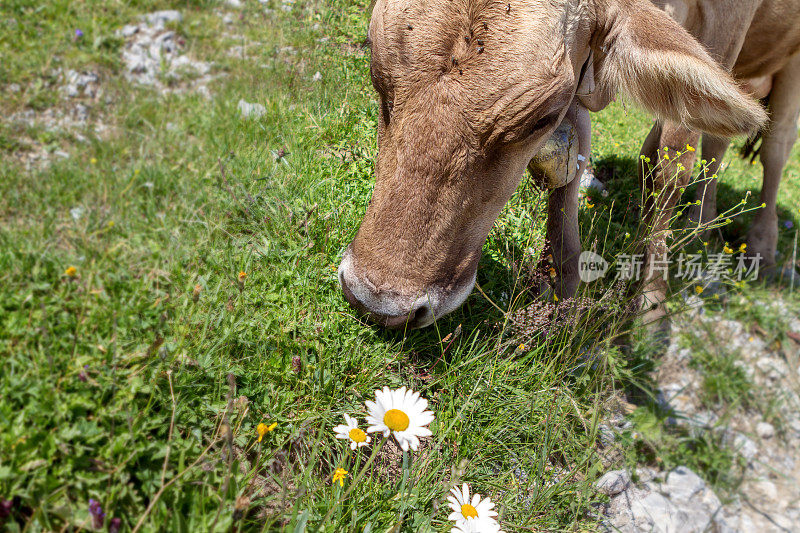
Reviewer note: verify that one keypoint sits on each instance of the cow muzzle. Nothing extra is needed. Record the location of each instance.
(398, 310)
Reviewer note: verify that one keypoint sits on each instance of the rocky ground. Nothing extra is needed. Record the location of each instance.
(763, 432)
(153, 55)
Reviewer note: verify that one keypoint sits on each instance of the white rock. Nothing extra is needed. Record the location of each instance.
(795, 427)
(607, 435)
(646, 474)
(80, 83)
(772, 367)
(683, 484)
(672, 396)
(614, 482)
(657, 510)
(203, 91)
(588, 180)
(159, 18)
(129, 30)
(248, 110)
(765, 430)
(763, 489)
(187, 63)
(703, 419)
(745, 447)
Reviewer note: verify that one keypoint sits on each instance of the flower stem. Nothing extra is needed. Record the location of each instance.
(355, 481)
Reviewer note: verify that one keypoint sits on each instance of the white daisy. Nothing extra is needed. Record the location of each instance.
(351, 432)
(471, 515)
(402, 413)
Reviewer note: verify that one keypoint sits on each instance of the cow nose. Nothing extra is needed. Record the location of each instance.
(414, 317)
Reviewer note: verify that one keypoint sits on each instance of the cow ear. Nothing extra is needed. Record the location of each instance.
(654, 61)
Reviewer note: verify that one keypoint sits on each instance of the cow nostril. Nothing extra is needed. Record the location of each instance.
(418, 315)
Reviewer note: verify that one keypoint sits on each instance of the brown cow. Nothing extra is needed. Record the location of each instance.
(759, 42)
(470, 91)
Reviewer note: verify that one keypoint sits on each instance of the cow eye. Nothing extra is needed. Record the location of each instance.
(543, 123)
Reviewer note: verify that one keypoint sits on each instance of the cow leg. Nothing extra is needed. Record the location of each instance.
(714, 149)
(778, 140)
(563, 235)
(670, 160)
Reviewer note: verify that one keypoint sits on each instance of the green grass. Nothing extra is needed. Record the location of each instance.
(119, 384)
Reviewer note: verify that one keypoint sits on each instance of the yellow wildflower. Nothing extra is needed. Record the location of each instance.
(339, 476)
(242, 276)
(93, 161)
(262, 429)
(110, 223)
(698, 289)
(71, 271)
(743, 248)
(690, 148)
(555, 297)
(727, 249)
(589, 205)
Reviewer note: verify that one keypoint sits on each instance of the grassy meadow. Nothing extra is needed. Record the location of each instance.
(171, 284)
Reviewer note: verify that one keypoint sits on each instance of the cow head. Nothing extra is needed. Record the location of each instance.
(470, 90)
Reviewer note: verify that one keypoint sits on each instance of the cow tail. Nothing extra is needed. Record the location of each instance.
(752, 147)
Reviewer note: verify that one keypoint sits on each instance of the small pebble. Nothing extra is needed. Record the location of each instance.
(765, 430)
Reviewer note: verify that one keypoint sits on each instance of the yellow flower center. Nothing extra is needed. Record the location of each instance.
(356, 435)
(396, 420)
(469, 511)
